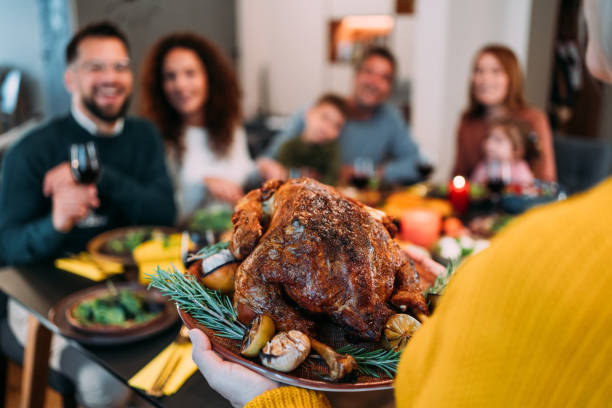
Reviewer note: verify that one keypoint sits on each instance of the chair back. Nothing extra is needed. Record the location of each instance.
(582, 163)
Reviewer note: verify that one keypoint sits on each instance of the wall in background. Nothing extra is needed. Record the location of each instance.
(57, 27)
(145, 21)
(283, 50)
(37, 32)
(21, 47)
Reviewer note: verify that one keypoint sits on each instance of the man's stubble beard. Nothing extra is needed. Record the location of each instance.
(95, 110)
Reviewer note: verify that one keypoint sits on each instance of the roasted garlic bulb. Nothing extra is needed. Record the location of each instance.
(285, 351)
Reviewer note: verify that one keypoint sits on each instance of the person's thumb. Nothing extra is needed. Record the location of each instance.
(206, 359)
(199, 340)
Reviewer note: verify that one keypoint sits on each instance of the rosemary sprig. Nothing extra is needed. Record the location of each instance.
(441, 281)
(207, 306)
(369, 361)
(215, 311)
(208, 251)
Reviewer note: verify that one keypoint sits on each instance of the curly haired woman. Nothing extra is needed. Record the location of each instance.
(190, 91)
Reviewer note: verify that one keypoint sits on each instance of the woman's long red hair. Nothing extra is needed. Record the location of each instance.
(222, 107)
(515, 99)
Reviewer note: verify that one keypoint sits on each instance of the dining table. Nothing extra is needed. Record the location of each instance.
(40, 287)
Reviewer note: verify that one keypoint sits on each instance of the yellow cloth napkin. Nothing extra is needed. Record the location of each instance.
(150, 268)
(145, 378)
(161, 252)
(83, 265)
(158, 249)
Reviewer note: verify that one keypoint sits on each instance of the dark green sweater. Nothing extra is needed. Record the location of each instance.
(134, 188)
(322, 157)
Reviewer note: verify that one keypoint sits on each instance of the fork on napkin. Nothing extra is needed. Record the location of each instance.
(149, 374)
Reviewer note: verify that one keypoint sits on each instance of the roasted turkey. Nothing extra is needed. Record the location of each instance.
(307, 250)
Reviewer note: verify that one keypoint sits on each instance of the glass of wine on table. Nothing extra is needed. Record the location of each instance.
(363, 171)
(498, 175)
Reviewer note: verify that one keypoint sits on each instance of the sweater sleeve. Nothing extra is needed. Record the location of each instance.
(289, 397)
(480, 174)
(526, 322)
(239, 155)
(148, 199)
(403, 167)
(521, 173)
(289, 153)
(332, 168)
(293, 130)
(26, 230)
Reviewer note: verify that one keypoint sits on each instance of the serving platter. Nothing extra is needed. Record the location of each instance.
(310, 373)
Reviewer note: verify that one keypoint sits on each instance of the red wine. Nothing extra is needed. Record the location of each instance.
(425, 169)
(360, 181)
(84, 162)
(87, 175)
(496, 185)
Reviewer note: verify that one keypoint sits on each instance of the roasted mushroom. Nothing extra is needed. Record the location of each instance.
(285, 351)
(339, 364)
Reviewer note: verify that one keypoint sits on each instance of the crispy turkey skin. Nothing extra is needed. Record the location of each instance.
(329, 254)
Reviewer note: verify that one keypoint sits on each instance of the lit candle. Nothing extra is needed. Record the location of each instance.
(459, 194)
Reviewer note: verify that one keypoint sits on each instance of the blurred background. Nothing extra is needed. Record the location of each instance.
(287, 52)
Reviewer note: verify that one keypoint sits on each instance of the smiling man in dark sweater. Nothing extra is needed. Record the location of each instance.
(44, 213)
(42, 208)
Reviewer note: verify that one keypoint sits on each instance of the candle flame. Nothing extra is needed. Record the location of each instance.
(459, 181)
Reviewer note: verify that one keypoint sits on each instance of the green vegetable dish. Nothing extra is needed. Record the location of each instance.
(123, 309)
(127, 244)
(215, 218)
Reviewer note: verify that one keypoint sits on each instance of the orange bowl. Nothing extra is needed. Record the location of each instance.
(421, 226)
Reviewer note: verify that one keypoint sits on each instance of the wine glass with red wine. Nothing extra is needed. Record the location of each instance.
(497, 178)
(84, 162)
(363, 171)
(86, 169)
(425, 168)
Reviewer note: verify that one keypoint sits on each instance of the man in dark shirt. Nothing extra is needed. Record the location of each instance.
(43, 210)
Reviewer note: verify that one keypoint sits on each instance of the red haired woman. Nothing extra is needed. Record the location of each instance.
(190, 91)
(496, 90)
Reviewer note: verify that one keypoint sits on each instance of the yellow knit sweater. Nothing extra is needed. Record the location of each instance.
(527, 322)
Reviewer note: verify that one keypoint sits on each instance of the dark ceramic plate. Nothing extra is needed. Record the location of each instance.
(100, 335)
(99, 246)
(309, 373)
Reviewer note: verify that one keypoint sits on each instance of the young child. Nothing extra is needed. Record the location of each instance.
(507, 149)
(316, 153)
